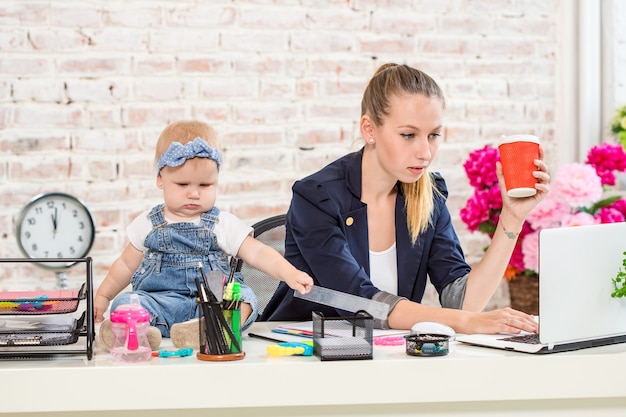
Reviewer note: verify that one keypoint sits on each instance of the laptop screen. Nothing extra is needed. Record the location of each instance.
(576, 267)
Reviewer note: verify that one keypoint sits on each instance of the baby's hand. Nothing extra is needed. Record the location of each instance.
(100, 306)
(300, 281)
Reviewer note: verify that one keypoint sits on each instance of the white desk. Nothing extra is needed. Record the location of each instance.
(470, 381)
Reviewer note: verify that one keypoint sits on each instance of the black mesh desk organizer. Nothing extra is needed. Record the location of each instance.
(44, 324)
(339, 338)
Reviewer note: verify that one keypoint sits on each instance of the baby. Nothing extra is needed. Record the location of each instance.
(168, 242)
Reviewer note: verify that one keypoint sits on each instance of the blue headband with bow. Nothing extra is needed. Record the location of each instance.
(178, 153)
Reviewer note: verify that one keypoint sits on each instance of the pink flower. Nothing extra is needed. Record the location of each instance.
(606, 159)
(482, 206)
(578, 219)
(619, 205)
(481, 167)
(494, 196)
(609, 215)
(530, 249)
(517, 258)
(476, 210)
(577, 184)
(548, 213)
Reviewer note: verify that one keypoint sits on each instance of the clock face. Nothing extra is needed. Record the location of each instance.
(55, 225)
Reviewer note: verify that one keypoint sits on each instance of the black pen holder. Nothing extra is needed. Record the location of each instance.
(218, 340)
(340, 338)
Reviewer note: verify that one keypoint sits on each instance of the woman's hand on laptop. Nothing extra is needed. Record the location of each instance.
(503, 320)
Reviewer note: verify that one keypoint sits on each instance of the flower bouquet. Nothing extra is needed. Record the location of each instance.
(578, 196)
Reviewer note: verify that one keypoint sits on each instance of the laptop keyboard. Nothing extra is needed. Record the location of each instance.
(530, 338)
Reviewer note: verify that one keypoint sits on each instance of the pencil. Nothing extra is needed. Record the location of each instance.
(269, 339)
(231, 275)
(209, 329)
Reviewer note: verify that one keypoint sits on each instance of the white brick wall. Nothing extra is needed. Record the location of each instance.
(618, 13)
(86, 87)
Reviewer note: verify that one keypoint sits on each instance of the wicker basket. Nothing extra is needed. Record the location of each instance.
(524, 293)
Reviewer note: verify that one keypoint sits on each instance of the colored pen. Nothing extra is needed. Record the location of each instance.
(300, 333)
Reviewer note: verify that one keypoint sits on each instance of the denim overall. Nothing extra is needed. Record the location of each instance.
(165, 280)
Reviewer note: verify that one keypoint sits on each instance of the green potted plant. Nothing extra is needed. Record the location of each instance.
(618, 125)
(619, 281)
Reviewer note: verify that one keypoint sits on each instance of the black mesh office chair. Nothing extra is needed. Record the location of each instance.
(270, 231)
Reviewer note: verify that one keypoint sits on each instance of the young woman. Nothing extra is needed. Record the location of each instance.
(374, 223)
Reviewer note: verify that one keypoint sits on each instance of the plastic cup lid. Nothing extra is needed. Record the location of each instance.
(518, 138)
(130, 312)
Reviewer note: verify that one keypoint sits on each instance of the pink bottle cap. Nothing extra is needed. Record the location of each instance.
(129, 312)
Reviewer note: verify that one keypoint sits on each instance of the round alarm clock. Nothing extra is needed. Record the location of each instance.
(55, 225)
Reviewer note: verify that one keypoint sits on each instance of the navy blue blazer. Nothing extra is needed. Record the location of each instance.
(327, 237)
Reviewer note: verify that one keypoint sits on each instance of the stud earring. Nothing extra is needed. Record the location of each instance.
(371, 140)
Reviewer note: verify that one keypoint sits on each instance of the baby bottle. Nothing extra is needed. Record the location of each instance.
(130, 323)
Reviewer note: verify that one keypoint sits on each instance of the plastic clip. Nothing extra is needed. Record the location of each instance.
(290, 349)
(176, 353)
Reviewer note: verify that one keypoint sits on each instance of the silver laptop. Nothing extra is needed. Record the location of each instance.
(576, 310)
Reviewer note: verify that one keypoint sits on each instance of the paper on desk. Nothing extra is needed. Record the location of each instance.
(307, 327)
(37, 323)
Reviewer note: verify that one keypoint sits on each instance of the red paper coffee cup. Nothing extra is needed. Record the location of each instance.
(518, 154)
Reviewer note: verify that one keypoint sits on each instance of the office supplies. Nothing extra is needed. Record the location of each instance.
(389, 341)
(236, 318)
(340, 338)
(290, 349)
(305, 329)
(215, 308)
(44, 324)
(344, 301)
(576, 309)
(180, 353)
(231, 276)
(266, 338)
(427, 344)
(232, 311)
(207, 323)
(293, 332)
(214, 329)
(36, 302)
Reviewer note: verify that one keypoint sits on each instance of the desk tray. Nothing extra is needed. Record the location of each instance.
(40, 331)
(40, 302)
(337, 338)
